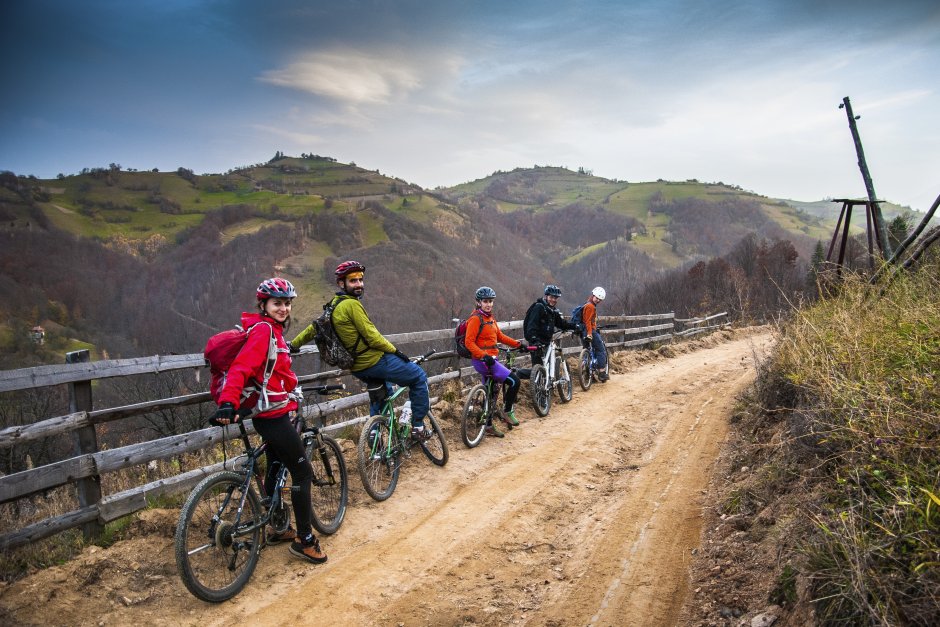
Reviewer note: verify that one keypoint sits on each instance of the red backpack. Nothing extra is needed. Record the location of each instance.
(460, 337)
(220, 352)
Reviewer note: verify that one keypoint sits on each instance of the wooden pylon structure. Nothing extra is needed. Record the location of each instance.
(872, 214)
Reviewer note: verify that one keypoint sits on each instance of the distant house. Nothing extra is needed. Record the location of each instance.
(37, 334)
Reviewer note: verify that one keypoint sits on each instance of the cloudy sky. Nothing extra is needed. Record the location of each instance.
(439, 93)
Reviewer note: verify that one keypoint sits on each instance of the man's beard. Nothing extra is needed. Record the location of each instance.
(355, 292)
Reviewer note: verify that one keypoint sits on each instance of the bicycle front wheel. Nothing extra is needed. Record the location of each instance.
(564, 381)
(541, 393)
(378, 456)
(215, 553)
(435, 448)
(584, 370)
(329, 491)
(473, 421)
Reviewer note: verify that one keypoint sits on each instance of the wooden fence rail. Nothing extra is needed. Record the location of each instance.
(89, 464)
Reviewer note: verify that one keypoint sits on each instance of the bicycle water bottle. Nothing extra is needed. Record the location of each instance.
(404, 418)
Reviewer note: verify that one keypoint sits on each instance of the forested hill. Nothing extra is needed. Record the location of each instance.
(141, 262)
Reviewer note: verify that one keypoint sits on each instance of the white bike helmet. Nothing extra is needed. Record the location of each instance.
(599, 292)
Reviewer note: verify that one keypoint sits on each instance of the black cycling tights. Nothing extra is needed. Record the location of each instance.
(510, 390)
(286, 447)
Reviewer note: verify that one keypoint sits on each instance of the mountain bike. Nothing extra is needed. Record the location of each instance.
(587, 368)
(386, 442)
(223, 524)
(551, 374)
(482, 404)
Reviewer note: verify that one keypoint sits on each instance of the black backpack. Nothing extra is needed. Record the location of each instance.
(576, 318)
(328, 343)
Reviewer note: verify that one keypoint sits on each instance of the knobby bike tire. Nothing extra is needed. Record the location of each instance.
(213, 562)
(435, 449)
(564, 385)
(329, 491)
(585, 377)
(473, 421)
(541, 395)
(377, 469)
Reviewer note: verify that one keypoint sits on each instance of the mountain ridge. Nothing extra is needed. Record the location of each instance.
(431, 248)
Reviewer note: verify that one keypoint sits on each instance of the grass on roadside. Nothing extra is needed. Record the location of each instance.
(858, 374)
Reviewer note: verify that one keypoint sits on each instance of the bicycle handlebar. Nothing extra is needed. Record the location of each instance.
(423, 357)
(324, 389)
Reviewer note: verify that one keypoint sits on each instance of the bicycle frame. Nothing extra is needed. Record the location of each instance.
(250, 470)
(492, 388)
(402, 432)
(552, 350)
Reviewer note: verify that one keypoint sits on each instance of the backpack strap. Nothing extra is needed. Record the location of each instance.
(263, 402)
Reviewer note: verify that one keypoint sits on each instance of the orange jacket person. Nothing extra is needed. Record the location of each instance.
(482, 336)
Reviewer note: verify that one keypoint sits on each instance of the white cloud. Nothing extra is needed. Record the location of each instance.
(347, 76)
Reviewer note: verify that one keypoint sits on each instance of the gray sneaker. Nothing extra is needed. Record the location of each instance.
(420, 433)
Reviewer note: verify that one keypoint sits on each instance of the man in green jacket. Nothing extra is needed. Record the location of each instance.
(377, 361)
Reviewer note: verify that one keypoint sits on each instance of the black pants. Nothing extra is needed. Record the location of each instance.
(510, 391)
(286, 447)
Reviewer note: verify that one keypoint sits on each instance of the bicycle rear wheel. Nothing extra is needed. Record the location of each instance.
(436, 448)
(541, 393)
(329, 491)
(378, 467)
(215, 558)
(473, 421)
(563, 384)
(584, 370)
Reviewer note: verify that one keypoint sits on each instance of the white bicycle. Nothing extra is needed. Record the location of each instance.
(551, 374)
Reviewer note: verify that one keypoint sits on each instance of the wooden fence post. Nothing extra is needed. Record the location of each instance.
(86, 442)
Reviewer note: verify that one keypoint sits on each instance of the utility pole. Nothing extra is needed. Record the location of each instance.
(882, 232)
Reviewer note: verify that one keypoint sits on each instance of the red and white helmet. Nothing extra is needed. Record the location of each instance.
(276, 287)
(599, 292)
(348, 266)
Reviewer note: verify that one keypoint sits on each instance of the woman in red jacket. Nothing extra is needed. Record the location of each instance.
(482, 335)
(275, 404)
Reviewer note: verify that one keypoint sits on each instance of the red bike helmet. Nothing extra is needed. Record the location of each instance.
(276, 287)
(348, 266)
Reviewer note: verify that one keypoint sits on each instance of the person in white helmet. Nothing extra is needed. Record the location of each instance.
(592, 336)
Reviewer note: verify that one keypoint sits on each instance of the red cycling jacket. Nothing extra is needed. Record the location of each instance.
(249, 365)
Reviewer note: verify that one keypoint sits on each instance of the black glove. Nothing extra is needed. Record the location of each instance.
(586, 342)
(226, 411)
(523, 345)
(488, 360)
(294, 350)
(402, 356)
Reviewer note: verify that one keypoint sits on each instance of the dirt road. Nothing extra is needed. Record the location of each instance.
(586, 517)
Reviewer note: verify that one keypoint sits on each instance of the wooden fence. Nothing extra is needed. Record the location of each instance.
(89, 463)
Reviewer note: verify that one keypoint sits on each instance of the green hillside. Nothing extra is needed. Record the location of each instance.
(114, 204)
(547, 188)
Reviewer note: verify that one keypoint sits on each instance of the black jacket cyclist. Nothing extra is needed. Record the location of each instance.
(542, 317)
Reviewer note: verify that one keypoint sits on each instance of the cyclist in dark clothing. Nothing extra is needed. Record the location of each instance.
(542, 318)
